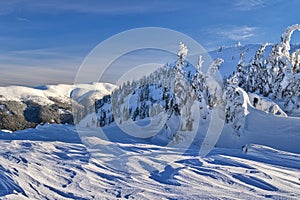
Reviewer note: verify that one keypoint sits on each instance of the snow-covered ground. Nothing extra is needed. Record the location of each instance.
(50, 162)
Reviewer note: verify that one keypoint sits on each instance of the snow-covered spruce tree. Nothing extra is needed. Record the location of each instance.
(183, 91)
(278, 72)
(228, 97)
(257, 73)
(295, 57)
(290, 84)
(242, 72)
(198, 83)
(291, 95)
(181, 54)
(103, 109)
(180, 85)
(213, 89)
(234, 104)
(143, 101)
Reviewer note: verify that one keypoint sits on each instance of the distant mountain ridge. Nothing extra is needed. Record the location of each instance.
(24, 107)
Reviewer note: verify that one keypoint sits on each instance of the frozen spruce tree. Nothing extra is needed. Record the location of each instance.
(278, 70)
(291, 96)
(182, 54)
(233, 97)
(242, 72)
(213, 84)
(199, 80)
(295, 57)
(257, 73)
(280, 64)
(290, 91)
(228, 98)
(183, 91)
(198, 83)
(180, 83)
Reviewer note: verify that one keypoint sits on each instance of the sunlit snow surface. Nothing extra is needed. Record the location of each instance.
(50, 162)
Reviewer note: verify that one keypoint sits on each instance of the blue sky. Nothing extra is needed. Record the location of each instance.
(45, 41)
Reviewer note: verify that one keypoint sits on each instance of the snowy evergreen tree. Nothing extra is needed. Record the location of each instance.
(199, 80)
(295, 57)
(213, 84)
(199, 86)
(242, 72)
(181, 54)
(257, 73)
(183, 90)
(228, 98)
(234, 104)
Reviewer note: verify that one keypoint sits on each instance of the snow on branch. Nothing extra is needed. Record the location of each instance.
(182, 51)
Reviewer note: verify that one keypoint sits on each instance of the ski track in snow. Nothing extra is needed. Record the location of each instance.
(47, 166)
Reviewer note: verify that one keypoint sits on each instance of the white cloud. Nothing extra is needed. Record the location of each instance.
(237, 33)
(246, 5)
(38, 52)
(22, 19)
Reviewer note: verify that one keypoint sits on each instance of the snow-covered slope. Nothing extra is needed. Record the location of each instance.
(50, 162)
(231, 56)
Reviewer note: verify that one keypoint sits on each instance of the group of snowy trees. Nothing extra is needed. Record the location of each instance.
(176, 87)
(277, 76)
(172, 89)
